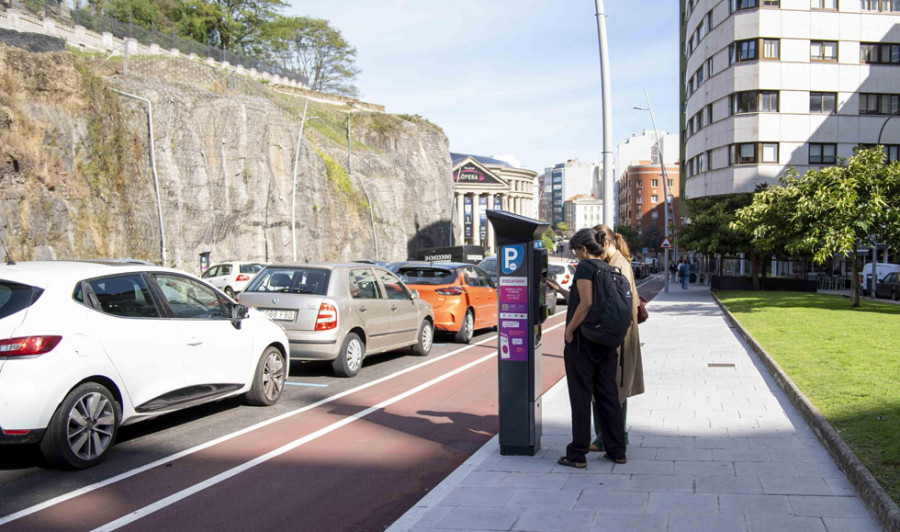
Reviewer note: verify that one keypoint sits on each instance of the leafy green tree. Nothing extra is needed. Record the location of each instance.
(239, 26)
(146, 13)
(710, 230)
(547, 240)
(631, 238)
(829, 210)
(316, 50)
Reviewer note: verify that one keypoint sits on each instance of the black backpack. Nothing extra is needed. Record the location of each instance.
(610, 316)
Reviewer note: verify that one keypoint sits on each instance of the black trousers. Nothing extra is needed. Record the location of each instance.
(591, 372)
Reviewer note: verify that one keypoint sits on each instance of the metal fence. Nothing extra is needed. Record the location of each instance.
(102, 23)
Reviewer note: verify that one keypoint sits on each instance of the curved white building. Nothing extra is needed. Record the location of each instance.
(773, 84)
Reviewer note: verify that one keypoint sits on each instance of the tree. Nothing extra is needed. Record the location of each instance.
(319, 52)
(146, 13)
(239, 26)
(829, 210)
(547, 240)
(631, 238)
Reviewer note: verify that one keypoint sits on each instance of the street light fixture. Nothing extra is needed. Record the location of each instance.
(662, 165)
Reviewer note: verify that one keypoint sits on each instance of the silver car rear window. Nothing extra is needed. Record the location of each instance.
(556, 270)
(426, 276)
(251, 268)
(15, 297)
(291, 281)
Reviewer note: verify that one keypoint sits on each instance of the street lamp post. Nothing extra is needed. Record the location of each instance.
(609, 202)
(662, 165)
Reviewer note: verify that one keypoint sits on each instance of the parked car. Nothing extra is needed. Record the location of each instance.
(639, 269)
(342, 312)
(889, 287)
(231, 277)
(563, 274)
(865, 275)
(489, 265)
(462, 295)
(87, 347)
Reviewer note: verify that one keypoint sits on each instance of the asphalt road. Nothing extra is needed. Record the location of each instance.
(359, 453)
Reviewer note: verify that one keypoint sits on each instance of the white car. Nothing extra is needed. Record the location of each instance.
(88, 346)
(562, 273)
(231, 277)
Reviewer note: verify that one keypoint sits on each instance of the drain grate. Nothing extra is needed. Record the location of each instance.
(720, 365)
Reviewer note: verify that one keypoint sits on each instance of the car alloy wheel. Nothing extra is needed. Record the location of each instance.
(268, 380)
(83, 427)
(229, 292)
(91, 425)
(467, 331)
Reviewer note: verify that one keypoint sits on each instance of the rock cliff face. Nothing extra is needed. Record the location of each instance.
(76, 179)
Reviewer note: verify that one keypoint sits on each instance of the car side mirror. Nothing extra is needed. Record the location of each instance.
(238, 313)
(414, 294)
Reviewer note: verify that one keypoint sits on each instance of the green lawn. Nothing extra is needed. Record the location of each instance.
(845, 360)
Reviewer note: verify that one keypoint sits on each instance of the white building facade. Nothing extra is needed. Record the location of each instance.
(773, 84)
(572, 178)
(582, 212)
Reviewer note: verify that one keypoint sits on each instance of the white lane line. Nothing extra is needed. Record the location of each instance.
(118, 478)
(225, 475)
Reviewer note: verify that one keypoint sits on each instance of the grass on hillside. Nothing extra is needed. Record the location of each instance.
(845, 360)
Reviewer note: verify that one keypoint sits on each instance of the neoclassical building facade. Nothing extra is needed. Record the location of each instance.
(482, 183)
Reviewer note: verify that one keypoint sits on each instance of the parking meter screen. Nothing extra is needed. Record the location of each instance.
(513, 303)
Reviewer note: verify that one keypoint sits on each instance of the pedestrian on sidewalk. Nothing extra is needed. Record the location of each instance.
(673, 267)
(684, 270)
(590, 368)
(630, 375)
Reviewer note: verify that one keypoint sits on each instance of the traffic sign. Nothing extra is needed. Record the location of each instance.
(666, 244)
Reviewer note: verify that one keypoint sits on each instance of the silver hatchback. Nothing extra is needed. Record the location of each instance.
(342, 312)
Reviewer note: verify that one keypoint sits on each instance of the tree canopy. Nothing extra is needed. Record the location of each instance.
(829, 210)
(255, 28)
(710, 230)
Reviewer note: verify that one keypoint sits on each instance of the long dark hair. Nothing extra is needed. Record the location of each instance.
(589, 239)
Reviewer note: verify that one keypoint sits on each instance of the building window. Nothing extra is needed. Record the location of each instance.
(771, 3)
(654, 182)
(771, 48)
(740, 5)
(879, 104)
(822, 102)
(891, 150)
(654, 198)
(879, 53)
(770, 152)
(754, 102)
(822, 153)
(654, 214)
(887, 6)
(830, 5)
(744, 153)
(709, 67)
(740, 51)
(671, 183)
(823, 50)
(708, 163)
(709, 118)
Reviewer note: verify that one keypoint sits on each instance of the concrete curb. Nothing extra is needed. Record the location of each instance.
(867, 487)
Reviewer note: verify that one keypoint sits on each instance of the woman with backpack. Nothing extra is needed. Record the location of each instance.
(630, 376)
(590, 367)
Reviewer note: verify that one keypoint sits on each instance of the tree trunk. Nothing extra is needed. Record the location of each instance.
(754, 270)
(854, 281)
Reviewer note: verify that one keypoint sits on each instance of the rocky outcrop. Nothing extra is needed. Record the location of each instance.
(76, 179)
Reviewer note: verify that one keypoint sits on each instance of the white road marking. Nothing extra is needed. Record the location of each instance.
(225, 475)
(181, 454)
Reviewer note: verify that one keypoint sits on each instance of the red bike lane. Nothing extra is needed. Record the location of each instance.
(342, 465)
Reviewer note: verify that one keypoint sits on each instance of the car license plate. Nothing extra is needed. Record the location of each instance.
(280, 315)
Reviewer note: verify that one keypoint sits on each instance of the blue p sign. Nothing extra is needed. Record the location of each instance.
(512, 258)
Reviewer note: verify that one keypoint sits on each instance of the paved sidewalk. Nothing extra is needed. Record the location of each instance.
(712, 448)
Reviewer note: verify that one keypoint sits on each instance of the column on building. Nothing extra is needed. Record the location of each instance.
(476, 220)
(490, 227)
(460, 219)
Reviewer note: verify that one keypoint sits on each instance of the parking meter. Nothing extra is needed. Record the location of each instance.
(522, 307)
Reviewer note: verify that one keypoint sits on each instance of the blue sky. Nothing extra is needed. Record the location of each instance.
(517, 77)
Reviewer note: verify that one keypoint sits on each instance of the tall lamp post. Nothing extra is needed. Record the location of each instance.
(662, 166)
(609, 202)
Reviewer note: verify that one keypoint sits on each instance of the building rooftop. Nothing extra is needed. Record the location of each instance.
(457, 157)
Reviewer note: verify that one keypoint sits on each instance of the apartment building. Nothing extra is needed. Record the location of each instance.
(583, 211)
(773, 84)
(568, 179)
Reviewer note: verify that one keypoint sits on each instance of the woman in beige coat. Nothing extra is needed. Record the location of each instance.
(630, 376)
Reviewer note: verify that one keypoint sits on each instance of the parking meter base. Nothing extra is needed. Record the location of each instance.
(522, 307)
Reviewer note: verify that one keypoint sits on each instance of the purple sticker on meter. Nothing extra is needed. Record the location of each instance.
(513, 319)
